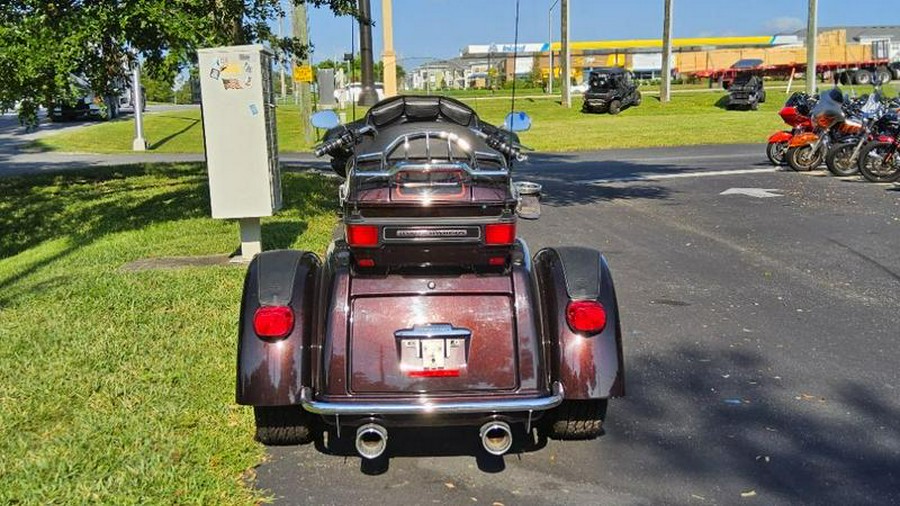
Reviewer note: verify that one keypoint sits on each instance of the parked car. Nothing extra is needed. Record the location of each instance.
(611, 90)
(746, 91)
(350, 92)
(91, 105)
(428, 309)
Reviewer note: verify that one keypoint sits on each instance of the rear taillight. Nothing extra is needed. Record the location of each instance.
(586, 316)
(273, 321)
(499, 234)
(362, 236)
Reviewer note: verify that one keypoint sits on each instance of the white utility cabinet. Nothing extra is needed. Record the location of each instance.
(238, 103)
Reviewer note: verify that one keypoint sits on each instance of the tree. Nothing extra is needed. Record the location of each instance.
(158, 90)
(44, 42)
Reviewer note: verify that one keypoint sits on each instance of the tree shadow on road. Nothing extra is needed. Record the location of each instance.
(724, 417)
(569, 180)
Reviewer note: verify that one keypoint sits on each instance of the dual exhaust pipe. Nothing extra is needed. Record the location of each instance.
(371, 439)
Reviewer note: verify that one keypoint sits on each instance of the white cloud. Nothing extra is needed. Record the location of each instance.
(784, 24)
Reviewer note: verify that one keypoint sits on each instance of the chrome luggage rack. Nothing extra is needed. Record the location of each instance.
(387, 165)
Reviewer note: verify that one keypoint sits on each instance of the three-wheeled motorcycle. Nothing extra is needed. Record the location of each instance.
(428, 309)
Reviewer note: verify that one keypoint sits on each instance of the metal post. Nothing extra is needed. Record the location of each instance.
(139, 143)
(367, 93)
(565, 55)
(251, 238)
(811, 43)
(665, 87)
(550, 47)
(281, 66)
(301, 31)
(388, 57)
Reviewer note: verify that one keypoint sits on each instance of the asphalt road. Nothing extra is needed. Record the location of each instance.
(761, 346)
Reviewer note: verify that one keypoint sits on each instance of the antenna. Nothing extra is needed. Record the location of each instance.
(512, 105)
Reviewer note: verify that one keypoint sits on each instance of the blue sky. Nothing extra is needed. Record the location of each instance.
(440, 28)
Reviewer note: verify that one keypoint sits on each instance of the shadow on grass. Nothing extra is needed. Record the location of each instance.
(191, 123)
(87, 205)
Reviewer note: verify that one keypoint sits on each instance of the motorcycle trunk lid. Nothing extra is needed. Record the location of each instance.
(437, 343)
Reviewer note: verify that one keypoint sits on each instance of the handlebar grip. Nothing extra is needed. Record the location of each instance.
(330, 146)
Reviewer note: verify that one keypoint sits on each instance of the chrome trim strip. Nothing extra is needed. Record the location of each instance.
(424, 407)
(440, 330)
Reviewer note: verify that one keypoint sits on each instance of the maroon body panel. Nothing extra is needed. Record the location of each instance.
(360, 351)
(272, 372)
(375, 354)
(589, 367)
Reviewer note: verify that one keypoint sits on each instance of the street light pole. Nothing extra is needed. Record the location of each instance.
(550, 47)
(812, 33)
(666, 84)
(367, 93)
(139, 143)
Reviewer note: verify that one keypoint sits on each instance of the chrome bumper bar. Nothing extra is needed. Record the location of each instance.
(425, 407)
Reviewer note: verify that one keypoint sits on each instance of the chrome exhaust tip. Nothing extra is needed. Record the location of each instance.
(371, 440)
(496, 437)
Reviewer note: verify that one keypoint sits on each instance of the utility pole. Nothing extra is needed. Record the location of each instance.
(565, 55)
(388, 57)
(665, 87)
(550, 47)
(139, 143)
(367, 94)
(812, 32)
(281, 65)
(301, 32)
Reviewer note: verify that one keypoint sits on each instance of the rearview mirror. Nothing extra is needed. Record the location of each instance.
(325, 119)
(517, 122)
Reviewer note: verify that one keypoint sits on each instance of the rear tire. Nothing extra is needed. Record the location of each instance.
(775, 152)
(871, 163)
(282, 425)
(615, 107)
(838, 160)
(862, 77)
(883, 74)
(576, 419)
(802, 159)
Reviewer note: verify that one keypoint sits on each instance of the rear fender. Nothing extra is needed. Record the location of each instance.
(803, 139)
(782, 136)
(272, 372)
(588, 367)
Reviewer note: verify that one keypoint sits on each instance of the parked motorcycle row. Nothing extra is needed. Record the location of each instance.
(849, 135)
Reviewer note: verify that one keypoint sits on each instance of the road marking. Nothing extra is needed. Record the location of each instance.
(760, 193)
(680, 175)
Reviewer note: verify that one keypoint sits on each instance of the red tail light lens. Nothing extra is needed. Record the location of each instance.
(497, 261)
(499, 234)
(273, 321)
(365, 262)
(586, 316)
(362, 236)
(435, 373)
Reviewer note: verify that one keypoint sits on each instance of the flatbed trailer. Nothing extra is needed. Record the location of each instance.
(861, 72)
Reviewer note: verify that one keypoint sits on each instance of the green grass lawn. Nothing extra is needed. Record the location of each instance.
(690, 118)
(118, 388)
